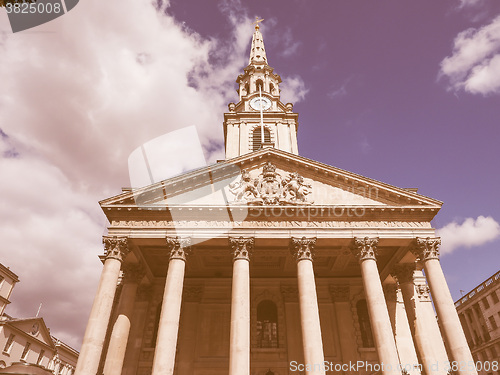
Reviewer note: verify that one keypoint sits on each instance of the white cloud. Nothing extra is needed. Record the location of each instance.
(293, 89)
(468, 3)
(339, 91)
(474, 64)
(81, 93)
(289, 43)
(472, 232)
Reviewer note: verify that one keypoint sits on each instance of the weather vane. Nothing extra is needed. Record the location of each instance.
(257, 21)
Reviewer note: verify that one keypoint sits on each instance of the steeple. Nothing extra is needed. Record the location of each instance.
(257, 52)
(258, 74)
(259, 119)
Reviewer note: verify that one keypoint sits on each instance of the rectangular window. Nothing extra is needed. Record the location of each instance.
(40, 357)
(494, 296)
(8, 344)
(26, 351)
(493, 322)
(486, 303)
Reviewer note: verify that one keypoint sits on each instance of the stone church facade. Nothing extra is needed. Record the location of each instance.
(271, 263)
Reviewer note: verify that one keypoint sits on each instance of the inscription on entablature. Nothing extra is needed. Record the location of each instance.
(271, 224)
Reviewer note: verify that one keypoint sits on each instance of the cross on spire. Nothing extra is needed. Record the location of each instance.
(258, 52)
(257, 21)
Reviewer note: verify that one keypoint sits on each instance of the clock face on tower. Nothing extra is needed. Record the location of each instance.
(260, 103)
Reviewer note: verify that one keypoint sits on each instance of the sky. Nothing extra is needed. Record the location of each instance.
(404, 92)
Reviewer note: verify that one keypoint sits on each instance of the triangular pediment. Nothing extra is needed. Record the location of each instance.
(272, 177)
(34, 328)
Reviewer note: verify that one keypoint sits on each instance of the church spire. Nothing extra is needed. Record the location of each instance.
(259, 119)
(257, 52)
(258, 76)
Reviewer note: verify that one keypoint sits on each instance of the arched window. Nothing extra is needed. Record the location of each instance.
(271, 88)
(257, 137)
(364, 324)
(247, 88)
(259, 84)
(267, 325)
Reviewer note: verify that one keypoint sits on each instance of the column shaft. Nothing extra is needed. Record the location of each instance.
(427, 250)
(379, 318)
(239, 341)
(421, 331)
(312, 341)
(95, 333)
(448, 317)
(404, 341)
(121, 329)
(365, 249)
(309, 317)
(168, 329)
(239, 355)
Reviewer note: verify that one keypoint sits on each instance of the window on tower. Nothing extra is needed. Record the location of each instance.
(259, 85)
(267, 325)
(257, 137)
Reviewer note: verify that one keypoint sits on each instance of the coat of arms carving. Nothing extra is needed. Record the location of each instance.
(270, 188)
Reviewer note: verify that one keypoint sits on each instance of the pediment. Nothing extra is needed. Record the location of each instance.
(271, 177)
(35, 328)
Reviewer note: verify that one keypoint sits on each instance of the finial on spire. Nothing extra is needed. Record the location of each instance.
(258, 52)
(257, 21)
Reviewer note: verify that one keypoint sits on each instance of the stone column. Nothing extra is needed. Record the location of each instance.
(302, 249)
(420, 327)
(365, 250)
(115, 250)
(132, 276)
(427, 250)
(401, 328)
(168, 328)
(239, 342)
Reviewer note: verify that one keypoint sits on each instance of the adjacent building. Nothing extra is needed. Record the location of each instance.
(269, 263)
(8, 280)
(26, 344)
(479, 312)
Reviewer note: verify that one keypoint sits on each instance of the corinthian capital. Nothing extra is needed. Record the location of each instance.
(423, 292)
(115, 247)
(178, 247)
(365, 248)
(241, 247)
(426, 248)
(404, 272)
(302, 248)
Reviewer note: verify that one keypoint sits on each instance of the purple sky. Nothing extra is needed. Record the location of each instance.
(403, 92)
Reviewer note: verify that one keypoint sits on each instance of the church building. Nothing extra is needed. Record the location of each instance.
(269, 263)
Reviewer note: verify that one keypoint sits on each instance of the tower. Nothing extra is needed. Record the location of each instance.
(260, 114)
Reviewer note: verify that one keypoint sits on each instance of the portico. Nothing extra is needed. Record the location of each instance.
(272, 259)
